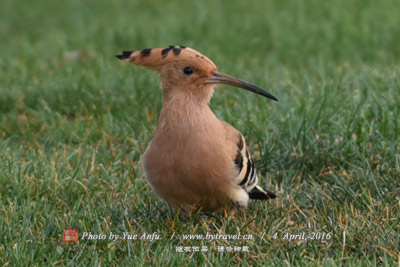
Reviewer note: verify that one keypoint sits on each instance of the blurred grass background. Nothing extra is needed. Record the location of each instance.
(74, 122)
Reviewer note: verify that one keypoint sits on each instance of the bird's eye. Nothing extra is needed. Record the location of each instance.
(188, 70)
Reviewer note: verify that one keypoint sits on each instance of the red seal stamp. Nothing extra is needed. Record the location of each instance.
(70, 235)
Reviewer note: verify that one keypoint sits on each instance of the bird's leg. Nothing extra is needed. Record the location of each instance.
(190, 213)
(225, 213)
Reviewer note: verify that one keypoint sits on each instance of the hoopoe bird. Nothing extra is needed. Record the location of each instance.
(195, 160)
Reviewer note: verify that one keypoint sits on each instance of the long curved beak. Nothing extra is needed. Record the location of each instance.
(219, 77)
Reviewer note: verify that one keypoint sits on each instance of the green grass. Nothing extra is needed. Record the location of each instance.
(74, 122)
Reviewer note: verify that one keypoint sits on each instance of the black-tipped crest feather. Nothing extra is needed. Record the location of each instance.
(124, 55)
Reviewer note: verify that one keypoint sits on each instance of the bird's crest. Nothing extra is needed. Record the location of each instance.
(155, 58)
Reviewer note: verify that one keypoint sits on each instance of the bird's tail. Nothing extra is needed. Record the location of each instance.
(258, 193)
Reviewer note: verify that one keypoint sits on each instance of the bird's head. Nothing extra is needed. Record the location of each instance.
(184, 70)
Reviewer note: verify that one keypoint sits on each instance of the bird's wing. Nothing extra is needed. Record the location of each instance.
(246, 176)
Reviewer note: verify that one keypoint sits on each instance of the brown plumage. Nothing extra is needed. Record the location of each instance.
(195, 160)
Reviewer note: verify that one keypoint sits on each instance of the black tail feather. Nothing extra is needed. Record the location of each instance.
(261, 194)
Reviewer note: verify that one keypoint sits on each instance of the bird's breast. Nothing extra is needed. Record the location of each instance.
(190, 159)
(184, 147)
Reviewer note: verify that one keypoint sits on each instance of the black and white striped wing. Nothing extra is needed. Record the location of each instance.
(247, 176)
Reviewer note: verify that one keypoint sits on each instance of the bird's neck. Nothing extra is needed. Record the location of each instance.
(183, 110)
